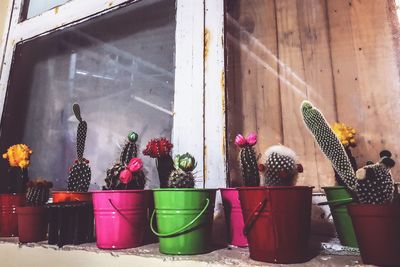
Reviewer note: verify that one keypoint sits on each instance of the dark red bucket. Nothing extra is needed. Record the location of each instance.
(377, 229)
(8, 213)
(277, 222)
(32, 223)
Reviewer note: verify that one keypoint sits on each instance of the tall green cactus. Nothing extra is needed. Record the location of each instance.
(80, 173)
(329, 143)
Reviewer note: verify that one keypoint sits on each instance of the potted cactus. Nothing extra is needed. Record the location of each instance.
(276, 210)
(32, 219)
(375, 212)
(79, 174)
(184, 213)
(121, 209)
(230, 196)
(18, 157)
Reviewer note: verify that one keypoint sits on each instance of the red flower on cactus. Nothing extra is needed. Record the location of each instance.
(242, 141)
(135, 165)
(125, 176)
(158, 148)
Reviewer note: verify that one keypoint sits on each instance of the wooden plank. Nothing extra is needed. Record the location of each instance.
(252, 83)
(214, 94)
(188, 130)
(366, 75)
(304, 51)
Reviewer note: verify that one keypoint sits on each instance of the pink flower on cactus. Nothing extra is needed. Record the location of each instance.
(135, 165)
(252, 139)
(240, 140)
(125, 176)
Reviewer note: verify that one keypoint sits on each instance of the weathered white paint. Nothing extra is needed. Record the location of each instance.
(214, 111)
(5, 16)
(188, 135)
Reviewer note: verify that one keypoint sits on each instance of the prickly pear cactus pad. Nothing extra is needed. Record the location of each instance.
(329, 143)
(280, 168)
(248, 159)
(182, 176)
(375, 184)
(80, 173)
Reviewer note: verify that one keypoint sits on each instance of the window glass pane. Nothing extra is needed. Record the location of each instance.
(341, 55)
(36, 7)
(118, 67)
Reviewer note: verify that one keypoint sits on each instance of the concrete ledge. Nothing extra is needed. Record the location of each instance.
(13, 254)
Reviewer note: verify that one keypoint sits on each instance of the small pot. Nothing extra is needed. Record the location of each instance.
(8, 214)
(377, 229)
(68, 196)
(32, 223)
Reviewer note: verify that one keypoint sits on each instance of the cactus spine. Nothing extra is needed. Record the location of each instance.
(80, 173)
(182, 176)
(248, 159)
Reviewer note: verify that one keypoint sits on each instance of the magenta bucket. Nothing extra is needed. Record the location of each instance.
(121, 218)
(233, 217)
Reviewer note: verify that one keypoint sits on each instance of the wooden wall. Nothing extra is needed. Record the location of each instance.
(340, 54)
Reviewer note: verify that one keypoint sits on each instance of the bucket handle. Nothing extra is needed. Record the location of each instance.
(253, 216)
(120, 213)
(337, 202)
(182, 229)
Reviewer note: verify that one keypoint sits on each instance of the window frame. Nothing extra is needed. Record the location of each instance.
(199, 125)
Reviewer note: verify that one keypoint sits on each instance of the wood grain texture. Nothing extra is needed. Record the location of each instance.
(342, 55)
(366, 74)
(252, 78)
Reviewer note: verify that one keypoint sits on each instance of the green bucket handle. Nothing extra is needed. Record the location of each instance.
(254, 215)
(337, 202)
(182, 229)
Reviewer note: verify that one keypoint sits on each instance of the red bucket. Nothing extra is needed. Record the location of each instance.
(8, 213)
(277, 222)
(32, 223)
(377, 229)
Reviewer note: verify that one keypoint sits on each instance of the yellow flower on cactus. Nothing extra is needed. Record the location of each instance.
(18, 156)
(345, 134)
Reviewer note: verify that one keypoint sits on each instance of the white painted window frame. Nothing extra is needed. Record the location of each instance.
(199, 102)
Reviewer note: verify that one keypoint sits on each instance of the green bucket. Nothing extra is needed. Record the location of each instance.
(338, 197)
(184, 220)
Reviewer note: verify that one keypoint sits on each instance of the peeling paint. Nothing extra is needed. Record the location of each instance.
(206, 43)
(110, 4)
(56, 10)
(222, 83)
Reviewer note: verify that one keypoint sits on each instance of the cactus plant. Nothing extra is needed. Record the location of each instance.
(371, 184)
(329, 143)
(18, 157)
(182, 176)
(38, 192)
(128, 152)
(374, 181)
(80, 173)
(280, 168)
(248, 159)
(160, 149)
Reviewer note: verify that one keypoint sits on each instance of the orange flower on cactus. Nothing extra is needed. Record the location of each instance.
(18, 156)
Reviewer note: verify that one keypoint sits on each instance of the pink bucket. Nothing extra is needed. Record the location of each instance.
(234, 217)
(121, 218)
